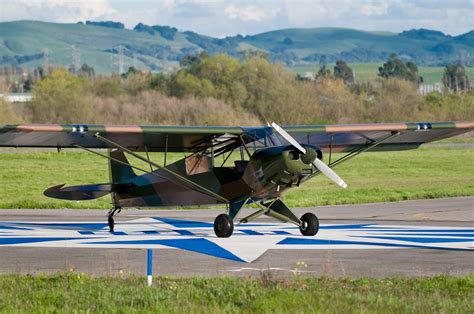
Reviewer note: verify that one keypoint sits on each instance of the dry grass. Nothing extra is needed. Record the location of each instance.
(151, 107)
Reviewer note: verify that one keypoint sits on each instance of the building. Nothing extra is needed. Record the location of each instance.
(17, 97)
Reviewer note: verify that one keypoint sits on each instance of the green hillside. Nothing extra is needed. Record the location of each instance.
(158, 48)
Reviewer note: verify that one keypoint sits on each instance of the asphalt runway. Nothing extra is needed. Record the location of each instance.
(409, 238)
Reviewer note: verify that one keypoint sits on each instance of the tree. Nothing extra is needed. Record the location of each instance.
(253, 53)
(323, 73)
(395, 68)
(455, 78)
(87, 71)
(192, 62)
(130, 72)
(61, 97)
(344, 72)
(7, 115)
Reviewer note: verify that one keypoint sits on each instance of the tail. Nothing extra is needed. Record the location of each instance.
(120, 173)
(120, 169)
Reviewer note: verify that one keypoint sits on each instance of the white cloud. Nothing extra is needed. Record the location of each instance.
(250, 12)
(55, 10)
(371, 8)
(220, 17)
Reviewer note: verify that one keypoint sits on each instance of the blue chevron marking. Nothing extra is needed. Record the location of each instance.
(198, 245)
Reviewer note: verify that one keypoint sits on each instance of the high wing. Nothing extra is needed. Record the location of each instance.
(133, 137)
(337, 138)
(376, 136)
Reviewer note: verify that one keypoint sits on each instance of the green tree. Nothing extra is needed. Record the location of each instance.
(87, 71)
(323, 73)
(221, 70)
(344, 72)
(253, 53)
(108, 87)
(160, 82)
(61, 98)
(186, 84)
(395, 68)
(455, 78)
(192, 62)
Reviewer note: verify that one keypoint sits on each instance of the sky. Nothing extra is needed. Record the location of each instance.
(220, 18)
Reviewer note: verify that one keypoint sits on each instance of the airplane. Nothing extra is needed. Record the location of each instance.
(269, 160)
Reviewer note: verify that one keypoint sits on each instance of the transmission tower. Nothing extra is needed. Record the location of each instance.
(75, 58)
(120, 60)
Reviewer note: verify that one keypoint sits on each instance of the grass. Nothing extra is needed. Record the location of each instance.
(81, 293)
(430, 172)
(393, 176)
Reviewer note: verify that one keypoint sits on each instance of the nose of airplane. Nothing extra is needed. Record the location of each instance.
(310, 155)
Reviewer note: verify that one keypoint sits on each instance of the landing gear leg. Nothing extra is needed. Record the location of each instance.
(308, 223)
(110, 217)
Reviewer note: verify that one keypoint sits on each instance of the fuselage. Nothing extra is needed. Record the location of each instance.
(268, 173)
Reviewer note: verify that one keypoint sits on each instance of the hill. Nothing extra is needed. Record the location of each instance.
(100, 44)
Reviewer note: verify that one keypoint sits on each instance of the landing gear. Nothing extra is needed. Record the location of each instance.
(223, 226)
(110, 217)
(309, 224)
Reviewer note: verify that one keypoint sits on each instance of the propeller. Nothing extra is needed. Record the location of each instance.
(319, 164)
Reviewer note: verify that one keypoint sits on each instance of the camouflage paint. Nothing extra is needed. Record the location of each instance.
(265, 176)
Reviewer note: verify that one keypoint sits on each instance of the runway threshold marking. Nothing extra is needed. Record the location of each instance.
(248, 242)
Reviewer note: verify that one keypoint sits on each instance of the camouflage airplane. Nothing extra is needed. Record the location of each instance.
(270, 161)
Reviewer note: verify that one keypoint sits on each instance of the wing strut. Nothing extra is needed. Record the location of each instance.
(355, 152)
(363, 149)
(198, 187)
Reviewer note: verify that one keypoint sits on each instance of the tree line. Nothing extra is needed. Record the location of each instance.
(222, 90)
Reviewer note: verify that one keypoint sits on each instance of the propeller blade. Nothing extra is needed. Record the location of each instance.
(321, 166)
(289, 138)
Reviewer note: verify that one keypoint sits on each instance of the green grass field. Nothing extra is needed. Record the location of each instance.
(430, 172)
(81, 293)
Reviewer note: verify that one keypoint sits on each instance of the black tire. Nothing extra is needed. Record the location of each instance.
(223, 226)
(111, 223)
(310, 224)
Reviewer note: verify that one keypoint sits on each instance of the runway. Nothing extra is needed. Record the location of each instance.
(409, 238)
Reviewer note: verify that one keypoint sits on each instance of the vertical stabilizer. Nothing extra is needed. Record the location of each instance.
(120, 172)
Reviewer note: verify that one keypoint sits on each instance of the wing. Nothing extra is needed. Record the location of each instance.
(339, 138)
(134, 137)
(376, 136)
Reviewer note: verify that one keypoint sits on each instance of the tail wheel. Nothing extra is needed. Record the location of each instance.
(310, 224)
(223, 226)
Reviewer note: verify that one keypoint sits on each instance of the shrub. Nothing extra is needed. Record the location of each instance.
(61, 98)
(7, 115)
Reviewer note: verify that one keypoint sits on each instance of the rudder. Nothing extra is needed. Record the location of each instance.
(120, 172)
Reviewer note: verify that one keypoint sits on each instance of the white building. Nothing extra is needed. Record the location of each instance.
(17, 97)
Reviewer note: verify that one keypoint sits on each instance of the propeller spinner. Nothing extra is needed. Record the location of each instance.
(319, 164)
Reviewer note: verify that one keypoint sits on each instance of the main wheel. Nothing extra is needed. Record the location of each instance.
(310, 224)
(223, 226)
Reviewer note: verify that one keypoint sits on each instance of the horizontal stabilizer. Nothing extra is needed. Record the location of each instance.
(79, 192)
